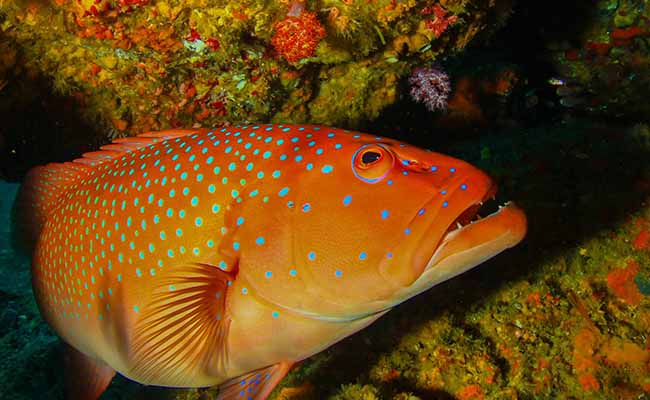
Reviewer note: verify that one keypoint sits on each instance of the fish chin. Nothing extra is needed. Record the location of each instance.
(467, 246)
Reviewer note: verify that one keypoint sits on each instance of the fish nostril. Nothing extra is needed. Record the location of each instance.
(416, 166)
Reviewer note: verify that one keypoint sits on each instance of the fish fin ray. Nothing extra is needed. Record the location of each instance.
(41, 191)
(184, 327)
(44, 186)
(121, 146)
(256, 385)
(85, 377)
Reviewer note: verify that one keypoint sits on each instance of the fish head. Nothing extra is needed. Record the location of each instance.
(364, 223)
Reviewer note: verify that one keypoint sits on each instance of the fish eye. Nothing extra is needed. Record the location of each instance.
(370, 157)
(372, 162)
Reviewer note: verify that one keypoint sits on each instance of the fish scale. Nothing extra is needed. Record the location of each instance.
(155, 206)
(220, 257)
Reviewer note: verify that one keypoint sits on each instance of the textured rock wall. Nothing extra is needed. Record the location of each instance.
(137, 65)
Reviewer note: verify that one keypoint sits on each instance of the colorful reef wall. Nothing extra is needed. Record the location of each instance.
(603, 68)
(138, 65)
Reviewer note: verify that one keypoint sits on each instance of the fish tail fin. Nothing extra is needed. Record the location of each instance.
(42, 189)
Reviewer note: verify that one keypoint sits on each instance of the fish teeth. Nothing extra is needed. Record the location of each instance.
(458, 225)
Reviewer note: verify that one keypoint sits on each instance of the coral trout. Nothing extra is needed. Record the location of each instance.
(221, 257)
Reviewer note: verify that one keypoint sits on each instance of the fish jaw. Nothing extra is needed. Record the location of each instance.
(460, 196)
(466, 247)
(503, 229)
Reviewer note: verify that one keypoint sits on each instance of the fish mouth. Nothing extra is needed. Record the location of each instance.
(469, 240)
(472, 213)
(480, 232)
(501, 229)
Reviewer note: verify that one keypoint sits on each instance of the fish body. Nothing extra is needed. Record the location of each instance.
(193, 258)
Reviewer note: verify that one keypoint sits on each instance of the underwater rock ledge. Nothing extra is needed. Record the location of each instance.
(139, 65)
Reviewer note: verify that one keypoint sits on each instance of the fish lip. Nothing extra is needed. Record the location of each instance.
(469, 214)
(433, 236)
(477, 242)
(431, 222)
(517, 229)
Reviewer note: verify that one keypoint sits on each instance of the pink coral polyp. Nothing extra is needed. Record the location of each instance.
(430, 86)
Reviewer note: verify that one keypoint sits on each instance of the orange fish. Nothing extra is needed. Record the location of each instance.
(205, 257)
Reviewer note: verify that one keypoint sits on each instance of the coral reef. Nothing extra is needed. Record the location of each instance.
(297, 36)
(602, 69)
(136, 65)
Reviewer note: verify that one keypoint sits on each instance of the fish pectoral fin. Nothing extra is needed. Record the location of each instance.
(256, 385)
(181, 332)
(85, 378)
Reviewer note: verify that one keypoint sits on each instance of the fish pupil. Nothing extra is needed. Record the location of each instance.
(370, 157)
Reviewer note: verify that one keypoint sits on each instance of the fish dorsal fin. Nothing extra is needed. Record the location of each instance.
(125, 145)
(183, 329)
(41, 191)
(256, 385)
(45, 186)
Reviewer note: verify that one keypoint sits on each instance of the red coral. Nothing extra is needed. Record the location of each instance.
(129, 3)
(621, 282)
(589, 382)
(441, 22)
(600, 49)
(585, 358)
(297, 36)
(213, 44)
(193, 36)
(623, 34)
(471, 392)
(92, 8)
(642, 241)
